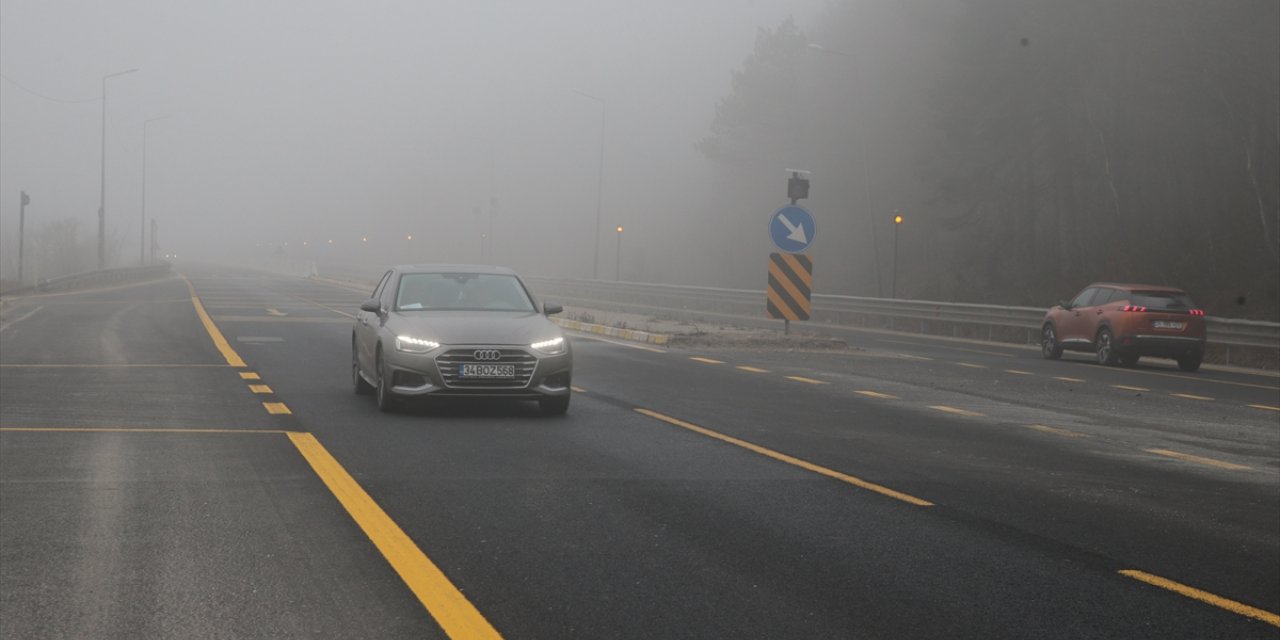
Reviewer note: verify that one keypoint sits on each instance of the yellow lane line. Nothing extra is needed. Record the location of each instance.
(1125, 387)
(782, 457)
(1056, 431)
(137, 430)
(971, 365)
(578, 389)
(706, 360)
(451, 609)
(1019, 372)
(109, 366)
(875, 394)
(806, 380)
(911, 357)
(220, 342)
(1202, 378)
(1066, 379)
(1186, 457)
(249, 375)
(1265, 406)
(960, 412)
(260, 388)
(277, 409)
(1190, 396)
(744, 367)
(1204, 596)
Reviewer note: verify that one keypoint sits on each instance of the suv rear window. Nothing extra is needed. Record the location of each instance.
(1162, 300)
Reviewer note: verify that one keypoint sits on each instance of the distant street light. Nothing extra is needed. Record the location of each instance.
(142, 232)
(595, 261)
(617, 266)
(102, 198)
(897, 222)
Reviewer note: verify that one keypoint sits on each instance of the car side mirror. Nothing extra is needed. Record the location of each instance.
(551, 308)
(371, 305)
(1064, 304)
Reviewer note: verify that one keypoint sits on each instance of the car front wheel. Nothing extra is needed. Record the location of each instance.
(382, 391)
(554, 405)
(1106, 348)
(362, 388)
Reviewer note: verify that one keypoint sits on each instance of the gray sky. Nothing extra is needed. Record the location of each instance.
(294, 121)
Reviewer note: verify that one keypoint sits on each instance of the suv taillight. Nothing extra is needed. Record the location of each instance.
(1130, 307)
(1197, 312)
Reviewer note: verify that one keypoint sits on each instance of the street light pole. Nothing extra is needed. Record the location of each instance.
(617, 265)
(897, 222)
(102, 196)
(22, 228)
(595, 261)
(142, 229)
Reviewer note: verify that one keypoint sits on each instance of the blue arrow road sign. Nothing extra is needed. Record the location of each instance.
(792, 229)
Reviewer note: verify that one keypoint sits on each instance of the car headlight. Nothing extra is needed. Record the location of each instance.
(415, 345)
(552, 347)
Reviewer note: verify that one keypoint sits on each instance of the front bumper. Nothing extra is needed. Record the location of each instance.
(436, 373)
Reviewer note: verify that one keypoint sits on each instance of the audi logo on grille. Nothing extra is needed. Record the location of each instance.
(487, 354)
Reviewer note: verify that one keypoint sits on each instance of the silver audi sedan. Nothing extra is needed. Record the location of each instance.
(459, 330)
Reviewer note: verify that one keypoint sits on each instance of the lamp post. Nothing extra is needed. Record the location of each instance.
(897, 222)
(22, 229)
(617, 265)
(102, 196)
(595, 261)
(142, 230)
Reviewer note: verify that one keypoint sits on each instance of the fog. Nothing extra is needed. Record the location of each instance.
(1009, 133)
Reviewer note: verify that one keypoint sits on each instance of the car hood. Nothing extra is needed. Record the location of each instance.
(475, 327)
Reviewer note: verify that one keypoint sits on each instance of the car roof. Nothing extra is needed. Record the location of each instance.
(453, 268)
(1138, 287)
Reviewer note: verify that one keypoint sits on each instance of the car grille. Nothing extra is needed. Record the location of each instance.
(449, 365)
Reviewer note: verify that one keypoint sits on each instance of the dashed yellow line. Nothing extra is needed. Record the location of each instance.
(806, 380)
(1066, 433)
(744, 367)
(1019, 372)
(875, 394)
(1186, 457)
(1125, 387)
(1204, 596)
(782, 457)
(706, 360)
(260, 388)
(277, 408)
(971, 365)
(1190, 396)
(960, 412)
(1266, 407)
(249, 375)
(457, 616)
(578, 389)
(1066, 379)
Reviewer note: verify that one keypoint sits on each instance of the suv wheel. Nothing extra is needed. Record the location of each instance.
(1049, 346)
(1106, 348)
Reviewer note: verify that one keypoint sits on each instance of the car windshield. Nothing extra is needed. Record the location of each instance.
(461, 292)
(1155, 300)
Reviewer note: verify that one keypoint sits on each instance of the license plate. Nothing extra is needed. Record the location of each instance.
(488, 371)
(1167, 324)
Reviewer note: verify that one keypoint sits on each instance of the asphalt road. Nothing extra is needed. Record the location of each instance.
(908, 488)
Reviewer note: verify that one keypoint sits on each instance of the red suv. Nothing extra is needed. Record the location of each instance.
(1123, 322)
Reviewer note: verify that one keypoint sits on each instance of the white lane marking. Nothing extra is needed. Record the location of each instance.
(28, 314)
(641, 347)
(258, 339)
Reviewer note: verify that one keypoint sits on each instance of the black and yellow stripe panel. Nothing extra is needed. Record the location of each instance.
(790, 286)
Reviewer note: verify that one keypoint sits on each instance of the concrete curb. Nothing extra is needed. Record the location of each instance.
(614, 332)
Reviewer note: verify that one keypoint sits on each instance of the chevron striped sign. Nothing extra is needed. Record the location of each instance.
(790, 284)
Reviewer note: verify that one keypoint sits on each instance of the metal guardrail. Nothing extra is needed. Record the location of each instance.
(1242, 342)
(98, 278)
(1231, 341)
